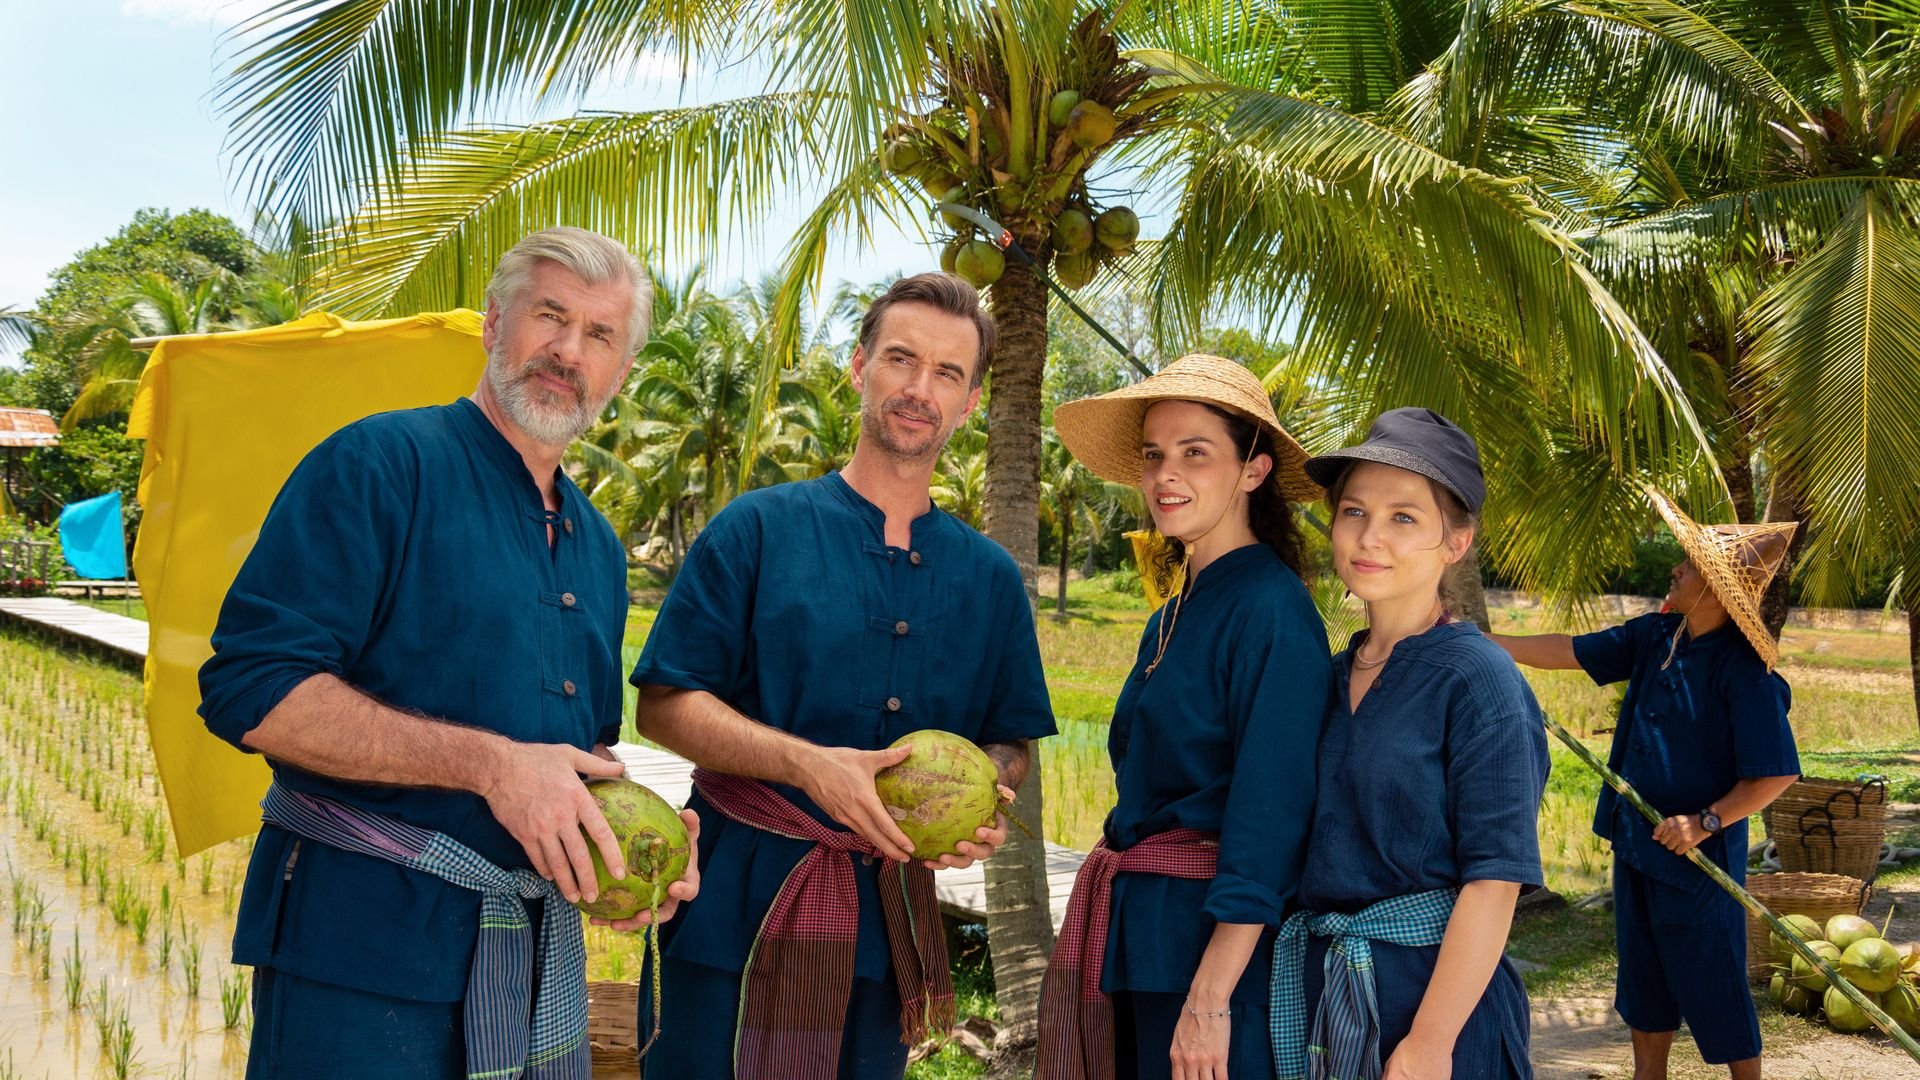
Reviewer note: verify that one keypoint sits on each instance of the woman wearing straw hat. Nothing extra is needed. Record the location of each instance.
(1430, 777)
(1703, 735)
(1159, 970)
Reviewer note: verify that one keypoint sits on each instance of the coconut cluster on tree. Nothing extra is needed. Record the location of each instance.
(1019, 151)
(1888, 974)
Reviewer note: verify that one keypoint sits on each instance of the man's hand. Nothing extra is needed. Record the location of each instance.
(841, 783)
(986, 840)
(1680, 834)
(536, 795)
(685, 889)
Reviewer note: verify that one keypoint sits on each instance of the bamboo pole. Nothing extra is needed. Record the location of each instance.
(1619, 784)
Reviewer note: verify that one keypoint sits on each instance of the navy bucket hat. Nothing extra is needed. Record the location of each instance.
(1419, 441)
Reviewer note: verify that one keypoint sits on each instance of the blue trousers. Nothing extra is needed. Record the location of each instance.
(1683, 956)
(699, 1013)
(303, 1029)
(1143, 1026)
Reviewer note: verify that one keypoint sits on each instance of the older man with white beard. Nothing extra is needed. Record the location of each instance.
(425, 643)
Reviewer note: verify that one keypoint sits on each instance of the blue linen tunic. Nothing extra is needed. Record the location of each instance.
(794, 610)
(407, 554)
(1434, 782)
(1221, 738)
(1686, 735)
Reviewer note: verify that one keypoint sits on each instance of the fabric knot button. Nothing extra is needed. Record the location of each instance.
(568, 687)
(913, 557)
(567, 599)
(900, 627)
(866, 860)
(567, 524)
(893, 704)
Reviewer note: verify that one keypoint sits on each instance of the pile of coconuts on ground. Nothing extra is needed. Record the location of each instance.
(1888, 974)
(965, 152)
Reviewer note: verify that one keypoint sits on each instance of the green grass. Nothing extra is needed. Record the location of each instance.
(134, 609)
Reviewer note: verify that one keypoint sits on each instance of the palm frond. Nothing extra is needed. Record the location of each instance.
(655, 181)
(1836, 361)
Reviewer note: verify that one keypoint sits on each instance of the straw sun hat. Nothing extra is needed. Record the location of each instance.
(1103, 432)
(1738, 562)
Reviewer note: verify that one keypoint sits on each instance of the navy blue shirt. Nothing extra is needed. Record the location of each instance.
(1434, 781)
(408, 555)
(1220, 738)
(1688, 732)
(793, 610)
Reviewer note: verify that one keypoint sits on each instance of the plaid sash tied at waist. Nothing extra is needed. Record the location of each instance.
(501, 1042)
(1346, 1026)
(799, 976)
(1076, 1018)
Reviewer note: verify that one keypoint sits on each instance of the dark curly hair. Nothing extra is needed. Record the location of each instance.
(1268, 514)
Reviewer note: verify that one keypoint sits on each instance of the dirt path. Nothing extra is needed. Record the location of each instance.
(1577, 1036)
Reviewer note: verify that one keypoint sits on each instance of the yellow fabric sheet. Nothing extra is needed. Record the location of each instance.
(1148, 545)
(226, 418)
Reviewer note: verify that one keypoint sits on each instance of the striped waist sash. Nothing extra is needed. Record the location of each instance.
(501, 1042)
(1346, 1026)
(1076, 1019)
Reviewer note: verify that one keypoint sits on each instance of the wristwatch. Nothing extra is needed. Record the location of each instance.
(1710, 821)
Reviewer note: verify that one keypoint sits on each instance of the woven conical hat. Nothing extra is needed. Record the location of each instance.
(1738, 563)
(1103, 432)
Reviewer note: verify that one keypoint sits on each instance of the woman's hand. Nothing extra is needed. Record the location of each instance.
(1418, 1059)
(1200, 1043)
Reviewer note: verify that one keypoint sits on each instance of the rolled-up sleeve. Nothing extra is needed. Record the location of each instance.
(1607, 655)
(1757, 704)
(1496, 774)
(309, 593)
(1279, 692)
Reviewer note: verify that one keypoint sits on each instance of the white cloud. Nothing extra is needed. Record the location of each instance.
(221, 13)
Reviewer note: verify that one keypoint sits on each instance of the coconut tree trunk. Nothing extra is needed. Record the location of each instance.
(1060, 587)
(1019, 925)
(1783, 504)
(1462, 592)
(1913, 649)
(1087, 567)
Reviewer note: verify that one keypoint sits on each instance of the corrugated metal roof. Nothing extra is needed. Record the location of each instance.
(28, 428)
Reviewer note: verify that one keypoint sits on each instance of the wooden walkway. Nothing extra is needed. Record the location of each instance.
(116, 633)
(963, 893)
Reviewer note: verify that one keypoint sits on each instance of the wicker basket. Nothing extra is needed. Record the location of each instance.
(613, 1027)
(1830, 827)
(1817, 896)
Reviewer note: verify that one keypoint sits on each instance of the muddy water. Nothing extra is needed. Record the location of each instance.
(175, 1034)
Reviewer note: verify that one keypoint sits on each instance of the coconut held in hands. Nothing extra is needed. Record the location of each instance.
(944, 791)
(653, 840)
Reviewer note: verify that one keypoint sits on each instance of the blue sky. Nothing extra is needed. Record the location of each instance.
(110, 108)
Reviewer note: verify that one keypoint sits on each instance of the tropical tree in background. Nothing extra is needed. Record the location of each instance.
(347, 115)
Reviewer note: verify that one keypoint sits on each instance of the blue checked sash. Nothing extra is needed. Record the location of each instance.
(500, 1041)
(1346, 1027)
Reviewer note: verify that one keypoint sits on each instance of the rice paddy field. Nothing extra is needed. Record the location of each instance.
(115, 950)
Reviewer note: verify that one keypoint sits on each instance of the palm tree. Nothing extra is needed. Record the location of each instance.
(345, 114)
(155, 306)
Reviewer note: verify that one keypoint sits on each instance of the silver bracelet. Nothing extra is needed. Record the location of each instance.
(1221, 1014)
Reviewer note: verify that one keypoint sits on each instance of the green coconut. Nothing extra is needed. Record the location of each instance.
(1117, 229)
(1844, 930)
(1060, 107)
(957, 195)
(1843, 1014)
(950, 254)
(1805, 926)
(1902, 1005)
(1073, 271)
(905, 157)
(1790, 998)
(653, 840)
(1090, 125)
(936, 179)
(1870, 964)
(1805, 974)
(980, 263)
(1072, 232)
(944, 790)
